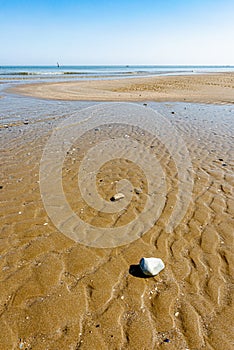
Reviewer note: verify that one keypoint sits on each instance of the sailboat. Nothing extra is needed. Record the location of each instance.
(58, 65)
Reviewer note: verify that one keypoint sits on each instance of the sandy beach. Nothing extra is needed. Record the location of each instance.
(59, 294)
(204, 88)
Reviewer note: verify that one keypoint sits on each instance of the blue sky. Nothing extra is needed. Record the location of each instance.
(116, 32)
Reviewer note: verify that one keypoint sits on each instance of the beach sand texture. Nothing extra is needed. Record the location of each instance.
(204, 88)
(58, 294)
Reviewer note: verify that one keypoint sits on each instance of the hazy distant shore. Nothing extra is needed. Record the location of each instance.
(204, 88)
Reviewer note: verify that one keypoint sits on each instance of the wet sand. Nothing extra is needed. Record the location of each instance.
(58, 294)
(204, 88)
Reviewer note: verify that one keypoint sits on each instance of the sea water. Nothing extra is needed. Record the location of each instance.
(16, 73)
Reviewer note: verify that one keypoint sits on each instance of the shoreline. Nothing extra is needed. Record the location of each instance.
(217, 88)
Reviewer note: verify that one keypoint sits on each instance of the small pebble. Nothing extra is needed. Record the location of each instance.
(117, 197)
(151, 266)
(177, 314)
(137, 190)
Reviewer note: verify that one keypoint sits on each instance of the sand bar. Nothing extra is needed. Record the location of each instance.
(205, 88)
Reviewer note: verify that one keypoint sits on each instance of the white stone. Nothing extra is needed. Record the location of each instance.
(151, 266)
(118, 196)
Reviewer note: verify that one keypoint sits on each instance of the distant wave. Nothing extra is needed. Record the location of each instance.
(60, 73)
(135, 72)
(38, 73)
(71, 73)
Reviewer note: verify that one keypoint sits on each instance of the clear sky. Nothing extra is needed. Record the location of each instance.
(88, 32)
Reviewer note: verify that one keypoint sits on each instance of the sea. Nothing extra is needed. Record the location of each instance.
(57, 72)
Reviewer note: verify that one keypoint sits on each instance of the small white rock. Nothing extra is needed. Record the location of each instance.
(151, 266)
(117, 197)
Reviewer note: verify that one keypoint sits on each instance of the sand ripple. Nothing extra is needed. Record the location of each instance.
(57, 294)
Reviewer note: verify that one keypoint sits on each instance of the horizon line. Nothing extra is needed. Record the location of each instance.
(116, 64)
